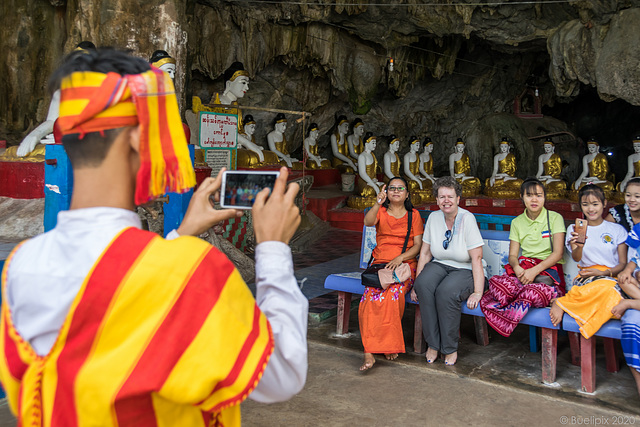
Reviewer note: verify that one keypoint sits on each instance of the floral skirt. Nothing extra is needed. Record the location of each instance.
(380, 317)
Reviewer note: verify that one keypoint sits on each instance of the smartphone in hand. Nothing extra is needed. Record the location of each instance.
(239, 188)
(581, 228)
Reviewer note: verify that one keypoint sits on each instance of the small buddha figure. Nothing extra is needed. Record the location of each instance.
(549, 170)
(503, 183)
(595, 170)
(161, 59)
(278, 143)
(314, 161)
(460, 167)
(355, 139)
(339, 147)
(250, 154)
(32, 147)
(392, 160)
(633, 165)
(368, 186)
(419, 187)
(426, 162)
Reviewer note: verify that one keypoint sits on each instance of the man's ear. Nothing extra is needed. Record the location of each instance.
(134, 139)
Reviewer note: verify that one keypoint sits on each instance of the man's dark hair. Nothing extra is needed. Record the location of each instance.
(90, 149)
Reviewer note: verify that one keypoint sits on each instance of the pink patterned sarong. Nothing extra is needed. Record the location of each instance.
(508, 300)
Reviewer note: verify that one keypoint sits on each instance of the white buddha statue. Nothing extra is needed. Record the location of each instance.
(595, 170)
(549, 170)
(32, 149)
(633, 165)
(392, 160)
(426, 161)
(162, 60)
(340, 149)
(419, 189)
(314, 161)
(460, 169)
(278, 143)
(251, 155)
(503, 183)
(355, 139)
(368, 186)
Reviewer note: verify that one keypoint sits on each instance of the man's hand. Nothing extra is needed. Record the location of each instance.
(201, 215)
(275, 216)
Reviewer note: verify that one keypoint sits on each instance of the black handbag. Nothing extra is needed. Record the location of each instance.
(369, 276)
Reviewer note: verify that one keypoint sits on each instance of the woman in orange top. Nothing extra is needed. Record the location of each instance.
(380, 312)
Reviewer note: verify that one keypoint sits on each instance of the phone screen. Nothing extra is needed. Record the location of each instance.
(239, 188)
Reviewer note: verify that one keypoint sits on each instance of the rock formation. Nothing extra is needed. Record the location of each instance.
(457, 67)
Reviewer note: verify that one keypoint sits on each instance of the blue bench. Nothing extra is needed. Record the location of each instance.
(347, 284)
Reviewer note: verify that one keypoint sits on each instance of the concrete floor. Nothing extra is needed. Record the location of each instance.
(401, 393)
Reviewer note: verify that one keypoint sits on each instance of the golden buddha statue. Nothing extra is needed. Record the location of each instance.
(503, 183)
(549, 170)
(368, 186)
(251, 155)
(391, 160)
(426, 166)
(314, 161)
(354, 141)
(459, 168)
(419, 187)
(339, 147)
(278, 143)
(595, 170)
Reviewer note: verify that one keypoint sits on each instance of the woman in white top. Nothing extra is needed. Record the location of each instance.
(449, 270)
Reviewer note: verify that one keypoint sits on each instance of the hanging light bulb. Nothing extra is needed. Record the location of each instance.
(390, 64)
(537, 93)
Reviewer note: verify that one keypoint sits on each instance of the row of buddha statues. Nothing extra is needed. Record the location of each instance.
(353, 153)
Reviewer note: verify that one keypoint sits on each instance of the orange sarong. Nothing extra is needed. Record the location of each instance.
(590, 303)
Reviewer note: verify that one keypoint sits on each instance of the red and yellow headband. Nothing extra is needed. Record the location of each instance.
(92, 102)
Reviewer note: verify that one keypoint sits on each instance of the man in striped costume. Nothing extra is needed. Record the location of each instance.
(105, 324)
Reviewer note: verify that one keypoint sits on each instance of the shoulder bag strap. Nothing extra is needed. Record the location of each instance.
(406, 239)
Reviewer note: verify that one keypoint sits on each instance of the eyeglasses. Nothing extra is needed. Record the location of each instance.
(396, 189)
(447, 239)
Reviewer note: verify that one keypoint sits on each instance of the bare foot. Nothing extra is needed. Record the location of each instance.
(391, 356)
(451, 359)
(555, 313)
(432, 355)
(369, 361)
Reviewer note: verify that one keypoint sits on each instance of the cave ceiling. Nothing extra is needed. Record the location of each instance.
(458, 65)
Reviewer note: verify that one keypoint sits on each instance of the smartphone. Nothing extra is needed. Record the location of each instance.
(581, 229)
(239, 188)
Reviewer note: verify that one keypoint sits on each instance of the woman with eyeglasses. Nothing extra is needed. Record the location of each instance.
(449, 270)
(535, 277)
(380, 312)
